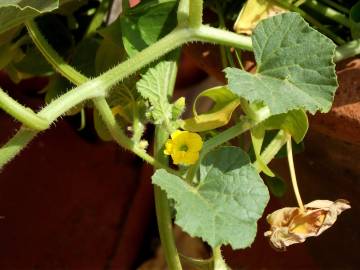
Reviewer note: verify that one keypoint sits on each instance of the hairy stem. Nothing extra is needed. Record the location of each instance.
(163, 208)
(163, 212)
(16, 144)
(183, 13)
(99, 86)
(222, 37)
(21, 113)
(195, 13)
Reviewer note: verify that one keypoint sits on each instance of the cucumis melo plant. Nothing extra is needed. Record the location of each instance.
(217, 189)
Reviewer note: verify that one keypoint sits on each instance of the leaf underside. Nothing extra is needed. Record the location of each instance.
(15, 12)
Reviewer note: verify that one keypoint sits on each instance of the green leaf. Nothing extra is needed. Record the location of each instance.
(294, 67)
(276, 185)
(112, 32)
(108, 55)
(225, 102)
(355, 21)
(294, 122)
(15, 12)
(34, 63)
(226, 204)
(146, 23)
(122, 97)
(57, 86)
(154, 85)
(83, 58)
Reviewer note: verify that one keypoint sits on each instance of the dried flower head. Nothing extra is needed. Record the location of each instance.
(292, 225)
(184, 147)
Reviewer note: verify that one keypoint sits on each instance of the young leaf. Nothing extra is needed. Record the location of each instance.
(225, 102)
(294, 67)
(146, 23)
(295, 122)
(226, 204)
(154, 85)
(15, 12)
(276, 185)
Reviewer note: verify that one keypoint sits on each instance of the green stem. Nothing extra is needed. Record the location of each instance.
(272, 149)
(292, 174)
(328, 12)
(98, 17)
(99, 101)
(183, 13)
(242, 126)
(336, 6)
(163, 212)
(105, 111)
(347, 50)
(222, 37)
(163, 208)
(219, 263)
(21, 113)
(195, 13)
(16, 144)
(56, 61)
(59, 106)
(312, 20)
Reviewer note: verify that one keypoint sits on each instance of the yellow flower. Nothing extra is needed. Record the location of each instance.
(184, 147)
(291, 225)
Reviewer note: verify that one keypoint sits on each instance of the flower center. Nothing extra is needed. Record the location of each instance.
(183, 147)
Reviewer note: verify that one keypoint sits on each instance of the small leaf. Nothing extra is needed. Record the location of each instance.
(276, 185)
(225, 102)
(294, 122)
(107, 56)
(81, 60)
(15, 12)
(147, 23)
(100, 127)
(34, 63)
(294, 67)
(355, 21)
(226, 204)
(154, 85)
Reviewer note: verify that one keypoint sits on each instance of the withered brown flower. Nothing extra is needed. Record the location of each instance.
(291, 225)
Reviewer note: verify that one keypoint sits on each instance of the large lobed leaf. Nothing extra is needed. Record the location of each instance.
(294, 67)
(15, 12)
(226, 204)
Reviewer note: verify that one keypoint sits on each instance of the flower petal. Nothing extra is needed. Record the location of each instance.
(292, 225)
